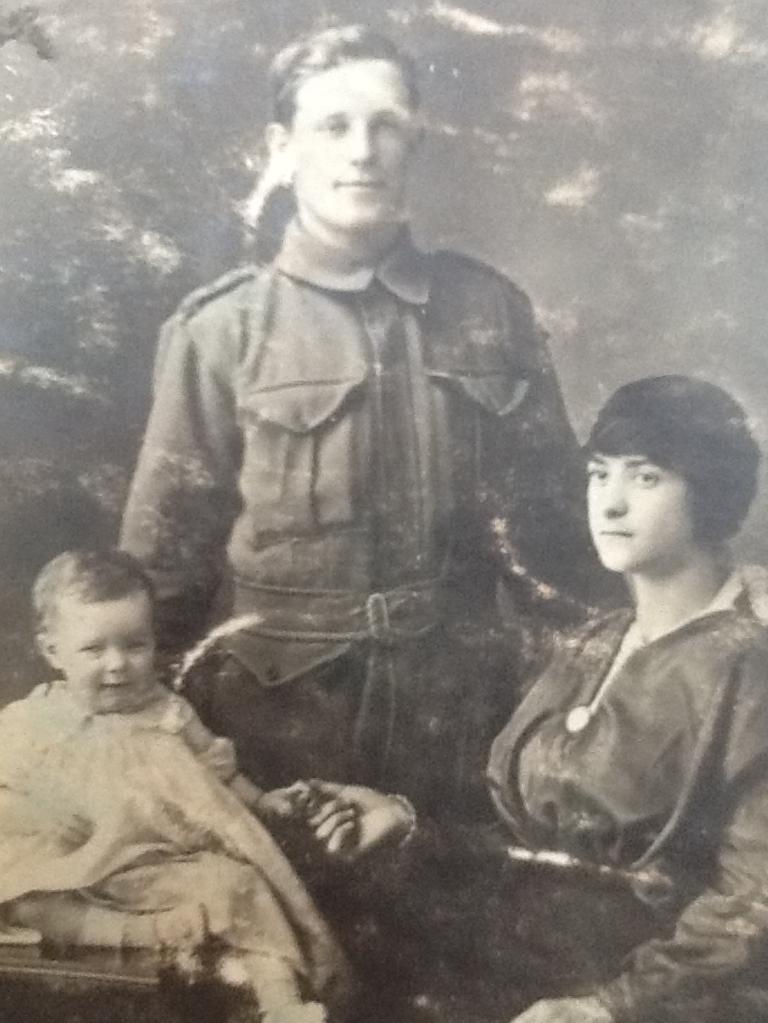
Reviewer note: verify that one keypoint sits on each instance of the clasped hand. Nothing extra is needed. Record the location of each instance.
(565, 1010)
(348, 821)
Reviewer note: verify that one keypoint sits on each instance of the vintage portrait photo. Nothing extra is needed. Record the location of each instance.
(384, 588)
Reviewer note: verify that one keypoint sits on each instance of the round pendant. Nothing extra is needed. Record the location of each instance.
(577, 719)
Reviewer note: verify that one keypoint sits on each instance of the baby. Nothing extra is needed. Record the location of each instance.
(125, 823)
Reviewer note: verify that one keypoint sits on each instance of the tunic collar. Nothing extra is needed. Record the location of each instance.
(403, 270)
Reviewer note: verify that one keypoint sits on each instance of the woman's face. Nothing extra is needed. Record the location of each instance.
(639, 515)
(349, 149)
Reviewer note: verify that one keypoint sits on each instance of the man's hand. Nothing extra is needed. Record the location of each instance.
(565, 1010)
(350, 821)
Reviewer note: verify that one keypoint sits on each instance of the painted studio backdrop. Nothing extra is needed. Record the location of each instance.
(607, 155)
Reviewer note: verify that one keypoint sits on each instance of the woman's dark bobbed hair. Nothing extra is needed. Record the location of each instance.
(695, 429)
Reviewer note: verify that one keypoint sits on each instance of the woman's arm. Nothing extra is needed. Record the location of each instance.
(718, 937)
(722, 933)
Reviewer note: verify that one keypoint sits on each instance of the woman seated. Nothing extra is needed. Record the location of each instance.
(633, 778)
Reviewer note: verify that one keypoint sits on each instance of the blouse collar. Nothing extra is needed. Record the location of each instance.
(727, 598)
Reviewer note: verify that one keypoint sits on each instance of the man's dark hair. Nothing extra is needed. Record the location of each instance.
(327, 49)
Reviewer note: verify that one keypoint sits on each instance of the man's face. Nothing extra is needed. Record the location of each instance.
(105, 650)
(349, 149)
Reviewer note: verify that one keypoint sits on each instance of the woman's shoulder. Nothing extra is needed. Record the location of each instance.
(753, 599)
(600, 630)
(741, 645)
(729, 634)
(741, 639)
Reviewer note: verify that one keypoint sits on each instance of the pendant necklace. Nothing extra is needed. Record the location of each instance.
(578, 717)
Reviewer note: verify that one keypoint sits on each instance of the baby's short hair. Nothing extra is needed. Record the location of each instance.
(90, 576)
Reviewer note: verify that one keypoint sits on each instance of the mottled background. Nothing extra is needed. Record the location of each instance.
(609, 155)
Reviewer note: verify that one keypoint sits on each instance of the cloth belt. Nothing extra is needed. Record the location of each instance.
(391, 617)
(384, 621)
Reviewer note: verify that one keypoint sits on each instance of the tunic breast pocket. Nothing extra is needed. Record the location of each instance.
(299, 454)
(498, 393)
(478, 415)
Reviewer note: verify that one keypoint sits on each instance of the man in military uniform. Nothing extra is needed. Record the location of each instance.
(331, 437)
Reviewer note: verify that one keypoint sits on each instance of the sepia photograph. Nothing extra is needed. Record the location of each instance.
(383, 517)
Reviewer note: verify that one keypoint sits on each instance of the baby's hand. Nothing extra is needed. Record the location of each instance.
(291, 803)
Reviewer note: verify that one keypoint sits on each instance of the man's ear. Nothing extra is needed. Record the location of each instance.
(281, 162)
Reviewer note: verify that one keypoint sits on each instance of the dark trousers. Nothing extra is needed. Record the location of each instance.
(426, 737)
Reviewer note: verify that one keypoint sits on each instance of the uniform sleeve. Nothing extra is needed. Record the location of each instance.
(721, 935)
(537, 483)
(183, 497)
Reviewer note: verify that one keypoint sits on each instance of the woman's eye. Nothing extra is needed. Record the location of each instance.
(648, 479)
(595, 473)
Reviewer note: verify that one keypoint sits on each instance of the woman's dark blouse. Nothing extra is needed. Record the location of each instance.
(671, 774)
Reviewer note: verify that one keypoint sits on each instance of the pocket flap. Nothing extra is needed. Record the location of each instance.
(499, 393)
(300, 407)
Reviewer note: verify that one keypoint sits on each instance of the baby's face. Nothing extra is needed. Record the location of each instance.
(105, 650)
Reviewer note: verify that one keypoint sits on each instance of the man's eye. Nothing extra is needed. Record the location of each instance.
(91, 649)
(390, 123)
(336, 126)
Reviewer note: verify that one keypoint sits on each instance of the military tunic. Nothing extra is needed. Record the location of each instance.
(327, 448)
